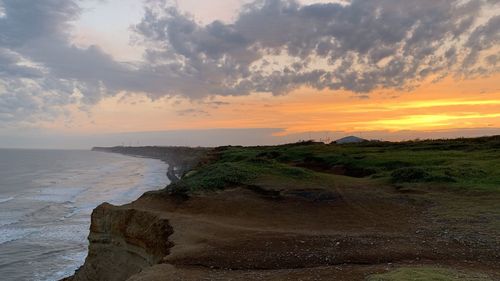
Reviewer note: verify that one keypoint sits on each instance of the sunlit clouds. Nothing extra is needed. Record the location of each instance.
(436, 106)
(95, 67)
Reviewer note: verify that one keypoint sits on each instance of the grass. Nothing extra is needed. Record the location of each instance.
(428, 274)
(236, 171)
(461, 164)
(459, 182)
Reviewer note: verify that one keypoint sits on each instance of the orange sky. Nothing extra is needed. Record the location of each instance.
(448, 104)
(84, 76)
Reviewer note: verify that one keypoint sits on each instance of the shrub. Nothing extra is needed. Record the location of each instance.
(294, 172)
(396, 164)
(218, 176)
(269, 154)
(409, 174)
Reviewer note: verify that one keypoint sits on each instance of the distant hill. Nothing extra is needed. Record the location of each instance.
(350, 139)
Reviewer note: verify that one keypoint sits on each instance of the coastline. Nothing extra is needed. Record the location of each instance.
(179, 159)
(47, 200)
(133, 194)
(282, 213)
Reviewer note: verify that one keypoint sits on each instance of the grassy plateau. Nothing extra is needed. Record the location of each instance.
(471, 165)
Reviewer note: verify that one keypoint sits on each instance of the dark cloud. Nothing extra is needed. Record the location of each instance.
(358, 47)
(27, 20)
(41, 71)
(11, 67)
(272, 46)
(30, 89)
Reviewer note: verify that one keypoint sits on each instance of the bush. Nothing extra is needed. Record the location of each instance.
(392, 165)
(218, 176)
(353, 170)
(269, 154)
(294, 172)
(409, 174)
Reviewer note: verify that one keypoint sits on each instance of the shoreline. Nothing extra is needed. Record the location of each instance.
(179, 159)
(122, 202)
(46, 206)
(170, 177)
(285, 213)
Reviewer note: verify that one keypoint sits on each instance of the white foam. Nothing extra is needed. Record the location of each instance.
(72, 233)
(59, 194)
(4, 200)
(56, 213)
(73, 260)
(5, 222)
(9, 216)
(10, 234)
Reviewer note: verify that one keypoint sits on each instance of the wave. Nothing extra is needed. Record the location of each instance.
(59, 194)
(12, 234)
(4, 200)
(75, 258)
(8, 222)
(54, 209)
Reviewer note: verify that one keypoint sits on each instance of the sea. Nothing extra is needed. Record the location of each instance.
(47, 197)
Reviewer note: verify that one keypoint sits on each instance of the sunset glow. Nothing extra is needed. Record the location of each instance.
(120, 74)
(433, 106)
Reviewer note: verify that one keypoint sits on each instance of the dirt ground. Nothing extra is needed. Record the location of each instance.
(323, 232)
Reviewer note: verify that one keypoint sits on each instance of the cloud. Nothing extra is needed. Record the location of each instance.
(483, 38)
(29, 89)
(41, 71)
(192, 112)
(277, 46)
(272, 46)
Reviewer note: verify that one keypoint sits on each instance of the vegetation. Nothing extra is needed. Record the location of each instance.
(427, 274)
(236, 170)
(461, 164)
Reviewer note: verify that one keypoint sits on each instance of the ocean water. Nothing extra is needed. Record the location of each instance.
(46, 198)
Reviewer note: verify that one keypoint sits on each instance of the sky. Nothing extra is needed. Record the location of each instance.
(79, 73)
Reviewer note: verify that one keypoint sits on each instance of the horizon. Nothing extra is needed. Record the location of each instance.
(117, 140)
(249, 140)
(75, 74)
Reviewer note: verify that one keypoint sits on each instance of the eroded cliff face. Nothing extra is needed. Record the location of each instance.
(123, 241)
(246, 234)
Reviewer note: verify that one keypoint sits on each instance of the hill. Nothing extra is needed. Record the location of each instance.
(350, 139)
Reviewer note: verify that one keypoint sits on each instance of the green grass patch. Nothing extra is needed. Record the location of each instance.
(239, 169)
(462, 164)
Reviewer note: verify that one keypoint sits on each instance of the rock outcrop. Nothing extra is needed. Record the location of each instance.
(124, 241)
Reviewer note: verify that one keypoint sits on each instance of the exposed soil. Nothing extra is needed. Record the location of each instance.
(346, 233)
(335, 218)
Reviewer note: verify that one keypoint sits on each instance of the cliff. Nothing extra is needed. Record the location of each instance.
(123, 241)
(286, 213)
